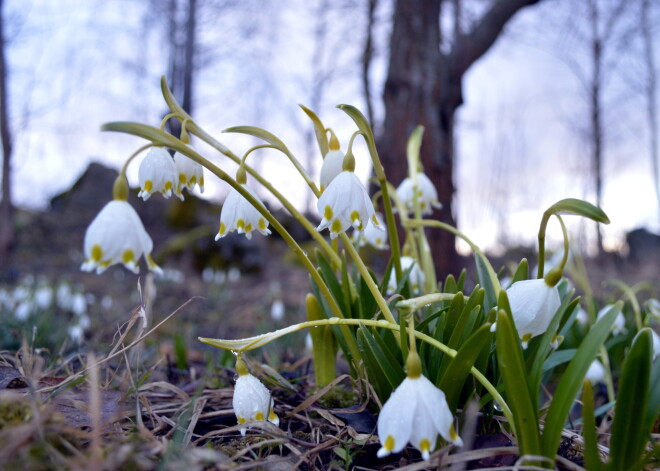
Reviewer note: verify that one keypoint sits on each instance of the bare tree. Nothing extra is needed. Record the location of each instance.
(425, 86)
(6, 206)
(650, 92)
(367, 56)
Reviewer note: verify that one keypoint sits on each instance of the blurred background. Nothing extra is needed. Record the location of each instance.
(524, 102)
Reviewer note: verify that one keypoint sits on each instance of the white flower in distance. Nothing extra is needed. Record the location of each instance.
(190, 173)
(596, 373)
(116, 235)
(426, 193)
(157, 173)
(240, 216)
(332, 166)
(416, 276)
(619, 326)
(533, 305)
(416, 412)
(252, 402)
(376, 236)
(345, 203)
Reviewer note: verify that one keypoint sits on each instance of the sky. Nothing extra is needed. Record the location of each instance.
(75, 64)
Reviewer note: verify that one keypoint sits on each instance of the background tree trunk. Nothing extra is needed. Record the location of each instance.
(425, 86)
(6, 206)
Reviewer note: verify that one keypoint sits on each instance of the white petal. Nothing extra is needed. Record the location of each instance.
(396, 418)
(533, 305)
(251, 399)
(332, 166)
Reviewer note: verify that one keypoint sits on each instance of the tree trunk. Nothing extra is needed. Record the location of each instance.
(424, 86)
(6, 206)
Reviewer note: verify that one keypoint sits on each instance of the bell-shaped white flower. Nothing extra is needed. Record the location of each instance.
(416, 412)
(596, 373)
(116, 235)
(416, 276)
(533, 305)
(426, 194)
(332, 166)
(345, 203)
(190, 173)
(240, 216)
(157, 173)
(252, 402)
(373, 235)
(619, 326)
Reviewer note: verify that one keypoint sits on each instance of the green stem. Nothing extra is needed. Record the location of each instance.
(261, 340)
(366, 276)
(542, 229)
(133, 155)
(449, 228)
(416, 303)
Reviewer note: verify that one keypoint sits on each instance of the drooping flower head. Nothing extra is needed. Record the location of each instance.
(240, 216)
(533, 305)
(344, 204)
(190, 173)
(251, 401)
(374, 235)
(425, 193)
(416, 412)
(332, 166)
(619, 326)
(416, 276)
(596, 372)
(157, 174)
(116, 235)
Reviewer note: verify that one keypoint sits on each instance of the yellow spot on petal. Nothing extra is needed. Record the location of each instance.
(453, 434)
(425, 445)
(248, 228)
(272, 416)
(128, 256)
(335, 226)
(389, 443)
(223, 229)
(168, 186)
(262, 224)
(148, 186)
(240, 224)
(241, 420)
(374, 219)
(193, 180)
(355, 215)
(182, 179)
(526, 338)
(97, 253)
(259, 416)
(201, 181)
(327, 213)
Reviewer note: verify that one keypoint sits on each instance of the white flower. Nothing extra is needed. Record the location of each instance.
(252, 402)
(656, 343)
(428, 196)
(23, 310)
(277, 310)
(619, 326)
(533, 305)
(190, 173)
(652, 306)
(374, 235)
(345, 203)
(79, 304)
(116, 235)
(416, 276)
(582, 316)
(43, 297)
(332, 166)
(596, 372)
(157, 173)
(416, 412)
(240, 216)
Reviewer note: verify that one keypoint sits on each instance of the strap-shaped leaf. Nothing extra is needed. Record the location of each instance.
(487, 279)
(454, 377)
(572, 380)
(514, 376)
(579, 208)
(628, 436)
(522, 272)
(591, 459)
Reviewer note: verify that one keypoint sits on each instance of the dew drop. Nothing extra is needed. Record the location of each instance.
(333, 320)
(383, 322)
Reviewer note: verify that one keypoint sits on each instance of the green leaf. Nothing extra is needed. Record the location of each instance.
(654, 397)
(579, 208)
(319, 130)
(261, 134)
(384, 359)
(458, 370)
(572, 380)
(558, 358)
(591, 458)
(514, 375)
(488, 280)
(328, 275)
(628, 438)
(460, 333)
(522, 272)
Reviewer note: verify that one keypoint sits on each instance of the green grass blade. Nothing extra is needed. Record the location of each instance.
(628, 437)
(572, 380)
(522, 272)
(487, 280)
